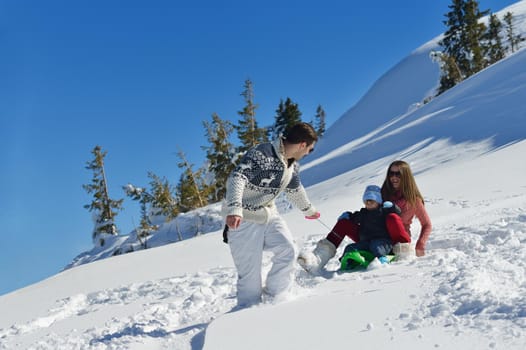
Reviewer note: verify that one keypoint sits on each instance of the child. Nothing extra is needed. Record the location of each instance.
(373, 232)
(374, 228)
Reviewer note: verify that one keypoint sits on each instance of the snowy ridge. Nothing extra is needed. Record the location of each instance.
(391, 116)
(185, 226)
(467, 113)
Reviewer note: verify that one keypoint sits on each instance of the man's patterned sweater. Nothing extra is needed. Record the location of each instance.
(260, 177)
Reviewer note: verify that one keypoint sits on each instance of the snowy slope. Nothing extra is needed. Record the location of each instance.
(482, 107)
(401, 89)
(467, 293)
(391, 117)
(467, 149)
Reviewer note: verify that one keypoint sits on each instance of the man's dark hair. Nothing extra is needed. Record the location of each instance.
(301, 132)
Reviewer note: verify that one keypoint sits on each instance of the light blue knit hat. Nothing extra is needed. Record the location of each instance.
(374, 193)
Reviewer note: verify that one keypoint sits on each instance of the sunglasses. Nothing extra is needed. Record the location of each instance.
(394, 173)
(310, 150)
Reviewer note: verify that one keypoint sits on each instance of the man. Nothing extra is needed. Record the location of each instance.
(253, 222)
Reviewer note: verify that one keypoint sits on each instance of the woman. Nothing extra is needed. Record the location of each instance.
(400, 188)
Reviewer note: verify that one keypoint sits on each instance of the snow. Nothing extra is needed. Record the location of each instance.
(466, 149)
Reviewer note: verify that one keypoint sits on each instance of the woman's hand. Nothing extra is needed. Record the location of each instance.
(420, 249)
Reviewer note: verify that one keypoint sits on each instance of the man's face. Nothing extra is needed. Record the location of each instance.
(303, 149)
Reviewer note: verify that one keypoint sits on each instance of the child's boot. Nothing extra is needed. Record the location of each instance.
(318, 258)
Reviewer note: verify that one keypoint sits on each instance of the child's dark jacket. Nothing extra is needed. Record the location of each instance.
(372, 222)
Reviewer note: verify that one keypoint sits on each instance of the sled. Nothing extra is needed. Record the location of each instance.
(358, 260)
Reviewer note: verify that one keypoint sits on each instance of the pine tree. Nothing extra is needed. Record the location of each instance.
(475, 32)
(454, 37)
(450, 74)
(146, 227)
(495, 50)
(220, 154)
(248, 132)
(191, 189)
(287, 115)
(104, 208)
(163, 201)
(513, 40)
(319, 121)
(463, 42)
(158, 202)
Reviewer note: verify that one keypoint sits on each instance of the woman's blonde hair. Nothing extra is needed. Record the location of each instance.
(408, 188)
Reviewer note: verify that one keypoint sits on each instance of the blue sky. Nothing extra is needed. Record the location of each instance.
(139, 78)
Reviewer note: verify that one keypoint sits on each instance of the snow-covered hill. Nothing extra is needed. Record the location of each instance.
(391, 116)
(467, 149)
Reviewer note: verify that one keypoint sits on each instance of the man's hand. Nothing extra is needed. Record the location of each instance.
(233, 221)
(313, 216)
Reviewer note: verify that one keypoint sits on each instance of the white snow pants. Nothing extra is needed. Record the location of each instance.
(247, 244)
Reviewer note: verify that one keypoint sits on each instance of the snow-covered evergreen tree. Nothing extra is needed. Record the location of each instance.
(192, 191)
(495, 50)
(475, 31)
(248, 131)
(450, 74)
(103, 207)
(513, 39)
(220, 155)
(287, 114)
(146, 227)
(462, 42)
(319, 121)
(164, 202)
